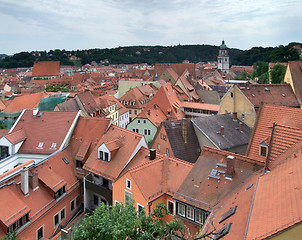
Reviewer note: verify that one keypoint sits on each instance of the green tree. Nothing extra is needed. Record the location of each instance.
(277, 73)
(123, 222)
(11, 236)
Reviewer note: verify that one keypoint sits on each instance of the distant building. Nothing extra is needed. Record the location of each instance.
(223, 58)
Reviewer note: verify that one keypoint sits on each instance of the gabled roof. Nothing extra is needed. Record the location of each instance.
(46, 127)
(296, 74)
(167, 100)
(210, 127)
(128, 142)
(282, 139)
(277, 204)
(268, 115)
(148, 89)
(184, 144)
(190, 89)
(160, 176)
(85, 133)
(46, 68)
(25, 102)
(179, 68)
(134, 95)
(274, 94)
(154, 114)
(207, 184)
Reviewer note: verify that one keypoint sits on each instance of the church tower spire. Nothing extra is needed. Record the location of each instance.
(223, 58)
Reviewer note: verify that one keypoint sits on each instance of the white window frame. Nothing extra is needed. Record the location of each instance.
(42, 232)
(139, 205)
(190, 213)
(128, 181)
(183, 208)
(173, 203)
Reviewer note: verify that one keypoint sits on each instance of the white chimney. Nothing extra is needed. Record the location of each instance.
(35, 111)
(24, 181)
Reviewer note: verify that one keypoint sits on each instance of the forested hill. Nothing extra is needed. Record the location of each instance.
(154, 54)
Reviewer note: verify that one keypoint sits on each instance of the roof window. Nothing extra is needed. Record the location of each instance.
(40, 145)
(228, 214)
(222, 232)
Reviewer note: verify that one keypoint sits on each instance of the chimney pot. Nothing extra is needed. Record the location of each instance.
(222, 130)
(33, 181)
(235, 116)
(230, 167)
(240, 127)
(152, 154)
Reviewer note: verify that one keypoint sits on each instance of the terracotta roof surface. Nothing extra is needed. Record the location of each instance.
(112, 169)
(185, 147)
(205, 185)
(278, 202)
(203, 106)
(268, 115)
(167, 174)
(25, 102)
(46, 68)
(210, 127)
(16, 136)
(154, 114)
(274, 94)
(49, 128)
(179, 68)
(167, 100)
(88, 102)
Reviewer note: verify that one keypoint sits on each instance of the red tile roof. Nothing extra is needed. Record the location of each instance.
(16, 136)
(277, 203)
(163, 175)
(128, 142)
(262, 131)
(154, 114)
(46, 68)
(295, 69)
(47, 128)
(25, 102)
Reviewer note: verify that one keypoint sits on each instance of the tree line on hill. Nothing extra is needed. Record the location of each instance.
(154, 54)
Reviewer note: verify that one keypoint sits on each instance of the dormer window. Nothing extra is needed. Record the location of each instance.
(104, 156)
(263, 149)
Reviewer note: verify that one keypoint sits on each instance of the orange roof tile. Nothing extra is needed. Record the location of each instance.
(112, 169)
(47, 128)
(295, 69)
(162, 175)
(204, 106)
(16, 136)
(154, 114)
(25, 102)
(268, 114)
(50, 178)
(277, 203)
(46, 68)
(11, 206)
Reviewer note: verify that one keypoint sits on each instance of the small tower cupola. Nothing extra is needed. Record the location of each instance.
(223, 58)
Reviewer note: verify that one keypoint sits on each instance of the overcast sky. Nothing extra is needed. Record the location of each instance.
(29, 25)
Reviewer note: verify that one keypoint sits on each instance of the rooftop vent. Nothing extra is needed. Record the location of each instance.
(266, 89)
(283, 95)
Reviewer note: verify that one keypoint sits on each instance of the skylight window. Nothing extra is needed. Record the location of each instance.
(40, 145)
(65, 160)
(222, 232)
(53, 145)
(228, 214)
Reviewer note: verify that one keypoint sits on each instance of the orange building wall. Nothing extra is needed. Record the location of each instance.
(118, 195)
(47, 219)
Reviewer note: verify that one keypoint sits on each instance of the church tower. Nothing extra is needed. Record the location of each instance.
(223, 58)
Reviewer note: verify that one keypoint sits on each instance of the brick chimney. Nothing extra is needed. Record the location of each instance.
(24, 181)
(235, 116)
(33, 181)
(152, 154)
(230, 166)
(184, 127)
(240, 127)
(222, 130)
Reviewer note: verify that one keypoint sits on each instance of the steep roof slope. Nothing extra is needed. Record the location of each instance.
(268, 115)
(296, 73)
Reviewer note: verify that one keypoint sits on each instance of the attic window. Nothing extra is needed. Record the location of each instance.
(283, 95)
(65, 160)
(104, 156)
(228, 214)
(222, 232)
(253, 95)
(263, 151)
(40, 145)
(53, 145)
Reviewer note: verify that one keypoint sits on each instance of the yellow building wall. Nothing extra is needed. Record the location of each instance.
(294, 233)
(240, 104)
(132, 115)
